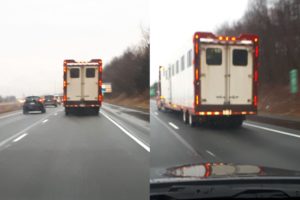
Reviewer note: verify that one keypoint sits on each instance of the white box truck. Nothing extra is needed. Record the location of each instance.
(82, 86)
(213, 79)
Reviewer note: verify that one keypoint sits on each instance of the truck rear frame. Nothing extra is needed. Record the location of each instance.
(83, 102)
(234, 108)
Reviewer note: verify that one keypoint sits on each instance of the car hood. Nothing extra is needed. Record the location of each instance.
(212, 171)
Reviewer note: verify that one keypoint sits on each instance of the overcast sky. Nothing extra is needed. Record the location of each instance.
(37, 35)
(173, 22)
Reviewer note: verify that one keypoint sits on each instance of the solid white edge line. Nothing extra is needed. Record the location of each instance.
(272, 130)
(10, 115)
(20, 137)
(155, 113)
(127, 133)
(210, 153)
(125, 108)
(45, 121)
(173, 125)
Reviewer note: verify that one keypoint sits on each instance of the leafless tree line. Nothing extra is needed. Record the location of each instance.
(129, 73)
(277, 22)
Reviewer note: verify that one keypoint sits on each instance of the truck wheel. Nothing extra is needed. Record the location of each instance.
(237, 123)
(43, 110)
(192, 122)
(25, 112)
(184, 117)
(67, 111)
(96, 110)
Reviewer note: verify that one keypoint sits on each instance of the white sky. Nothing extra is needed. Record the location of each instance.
(172, 23)
(37, 35)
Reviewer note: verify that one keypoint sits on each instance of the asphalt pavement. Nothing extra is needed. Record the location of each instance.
(53, 156)
(174, 143)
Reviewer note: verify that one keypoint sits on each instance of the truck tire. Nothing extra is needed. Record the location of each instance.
(237, 122)
(25, 112)
(67, 112)
(96, 111)
(158, 108)
(184, 117)
(192, 121)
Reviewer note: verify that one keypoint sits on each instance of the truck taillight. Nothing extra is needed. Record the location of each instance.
(255, 100)
(100, 83)
(197, 99)
(65, 69)
(100, 68)
(65, 98)
(255, 76)
(197, 74)
(256, 51)
(100, 97)
(65, 83)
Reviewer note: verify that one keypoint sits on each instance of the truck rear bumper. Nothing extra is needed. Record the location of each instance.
(82, 104)
(226, 110)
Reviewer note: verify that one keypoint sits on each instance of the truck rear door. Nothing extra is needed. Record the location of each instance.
(213, 70)
(74, 83)
(90, 83)
(240, 68)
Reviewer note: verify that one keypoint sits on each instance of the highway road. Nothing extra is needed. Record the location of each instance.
(53, 156)
(174, 143)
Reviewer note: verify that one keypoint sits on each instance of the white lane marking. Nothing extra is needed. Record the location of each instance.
(272, 130)
(185, 143)
(173, 125)
(45, 121)
(210, 153)
(127, 133)
(20, 137)
(156, 113)
(124, 108)
(55, 114)
(13, 114)
(2, 143)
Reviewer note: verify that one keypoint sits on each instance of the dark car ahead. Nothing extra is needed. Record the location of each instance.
(50, 100)
(33, 103)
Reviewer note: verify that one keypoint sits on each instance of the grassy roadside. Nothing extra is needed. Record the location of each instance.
(139, 102)
(277, 100)
(8, 107)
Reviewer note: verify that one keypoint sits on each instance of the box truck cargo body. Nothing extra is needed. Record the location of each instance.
(214, 78)
(82, 86)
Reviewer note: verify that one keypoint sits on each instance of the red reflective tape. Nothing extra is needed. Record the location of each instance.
(256, 51)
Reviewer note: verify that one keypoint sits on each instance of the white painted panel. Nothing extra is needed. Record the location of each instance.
(241, 78)
(73, 85)
(90, 85)
(212, 77)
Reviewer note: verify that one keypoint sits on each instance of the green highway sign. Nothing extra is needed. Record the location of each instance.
(152, 92)
(294, 81)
